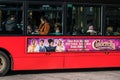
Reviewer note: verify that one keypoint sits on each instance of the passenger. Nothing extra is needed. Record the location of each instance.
(57, 27)
(44, 27)
(11, 25)
(32, 46)
(51, 47)
(60, 47)
(21, 25)
(29, 23)
(91, 30)
(77, 30)
(109, 31)
(117, 32)
(29, 29)
(20, 28)
(40, 47)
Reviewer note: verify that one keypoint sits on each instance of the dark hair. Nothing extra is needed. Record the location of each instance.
(42, 40)
(12, 16)
(44, 18)
(50, 40)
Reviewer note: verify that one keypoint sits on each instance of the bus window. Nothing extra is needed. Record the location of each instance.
(112, 20)
(83, 20)
(11, 21)
(51, 24)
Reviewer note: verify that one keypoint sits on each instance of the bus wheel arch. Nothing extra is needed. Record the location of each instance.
(6, 61)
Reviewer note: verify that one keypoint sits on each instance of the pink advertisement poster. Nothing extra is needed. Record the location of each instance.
(101, 44)
(71, 45)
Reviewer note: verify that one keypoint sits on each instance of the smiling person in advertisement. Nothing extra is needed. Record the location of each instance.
(32, 46)
(50, 47)
(40, 47)
(60, 47)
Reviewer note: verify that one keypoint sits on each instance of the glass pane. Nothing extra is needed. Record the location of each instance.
(44, 19)
(112, 26)
(83, 20)
(11, 19)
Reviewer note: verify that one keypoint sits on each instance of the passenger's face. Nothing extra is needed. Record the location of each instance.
(12, 18)
(42, 21)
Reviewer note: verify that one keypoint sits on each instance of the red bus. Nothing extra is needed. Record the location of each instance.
(66, 34)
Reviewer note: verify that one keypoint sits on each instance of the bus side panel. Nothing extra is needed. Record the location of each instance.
(17, 47)
(92, 60)
(42, 62)
(14, 45)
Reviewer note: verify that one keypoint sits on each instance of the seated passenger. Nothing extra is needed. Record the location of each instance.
(29, 30)
(117, 32)
(57, 28)
(91, 30)
(11, 25)
(109, 31)
(44, 27)
(77, 30)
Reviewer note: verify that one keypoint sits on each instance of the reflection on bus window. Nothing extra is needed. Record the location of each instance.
(53, 14)
(11, 21)
(80, 17)
(112, 20)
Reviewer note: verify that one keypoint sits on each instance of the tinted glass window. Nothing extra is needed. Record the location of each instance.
(44, 19)
(11, 18)
(112, 20)
(83, 20)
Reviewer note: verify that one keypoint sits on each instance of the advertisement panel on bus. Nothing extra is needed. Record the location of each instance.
(71, 45)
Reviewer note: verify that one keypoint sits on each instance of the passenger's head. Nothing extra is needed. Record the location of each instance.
(43, 19)
(51, 42)
(109, 29)
(12, 17)
(90, 27)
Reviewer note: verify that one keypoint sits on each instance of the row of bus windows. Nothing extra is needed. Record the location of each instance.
(56, 20)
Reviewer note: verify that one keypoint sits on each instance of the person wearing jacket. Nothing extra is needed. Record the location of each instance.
(11, 24)
(44, 27)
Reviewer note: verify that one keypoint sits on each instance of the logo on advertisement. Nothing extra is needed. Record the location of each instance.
(103, 45)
